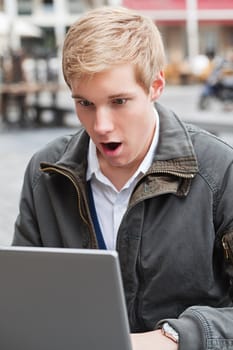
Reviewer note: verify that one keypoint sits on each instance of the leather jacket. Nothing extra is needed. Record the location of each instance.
(171, 239)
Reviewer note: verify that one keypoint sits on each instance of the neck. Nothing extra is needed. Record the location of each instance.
(118, 176)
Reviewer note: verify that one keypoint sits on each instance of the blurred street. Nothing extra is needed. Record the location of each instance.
(17, 145)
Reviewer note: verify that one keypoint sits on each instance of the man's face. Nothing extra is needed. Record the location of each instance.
(117, 114)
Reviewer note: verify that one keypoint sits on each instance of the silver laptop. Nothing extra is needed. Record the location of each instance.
(61, 299)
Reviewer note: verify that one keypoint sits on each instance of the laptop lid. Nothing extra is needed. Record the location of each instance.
(56, 299)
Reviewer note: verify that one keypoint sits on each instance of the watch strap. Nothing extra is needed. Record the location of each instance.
(170, 332)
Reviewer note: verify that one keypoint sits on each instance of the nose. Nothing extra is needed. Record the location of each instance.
(103, 120)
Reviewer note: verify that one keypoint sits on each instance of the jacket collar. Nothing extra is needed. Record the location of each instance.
(175, 152)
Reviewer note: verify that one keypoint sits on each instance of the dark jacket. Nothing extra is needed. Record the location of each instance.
(170, 238)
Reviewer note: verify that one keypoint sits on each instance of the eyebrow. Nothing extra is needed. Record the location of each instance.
(78, 96)
(118, 95)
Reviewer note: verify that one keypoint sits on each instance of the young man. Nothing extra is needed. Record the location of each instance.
(162, 190)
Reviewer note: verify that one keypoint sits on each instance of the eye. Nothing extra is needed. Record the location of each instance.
(120, 101)
(84, 103)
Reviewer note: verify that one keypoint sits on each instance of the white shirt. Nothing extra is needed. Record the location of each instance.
(111, 204)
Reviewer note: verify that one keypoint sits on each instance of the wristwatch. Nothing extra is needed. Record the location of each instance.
(170, 332)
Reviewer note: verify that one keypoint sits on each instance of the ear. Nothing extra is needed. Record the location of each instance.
(157, 86)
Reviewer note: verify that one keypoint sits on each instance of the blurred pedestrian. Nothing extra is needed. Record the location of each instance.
(14, 91)
(218, 80)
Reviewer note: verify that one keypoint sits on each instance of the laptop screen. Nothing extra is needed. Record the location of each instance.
(56, 299)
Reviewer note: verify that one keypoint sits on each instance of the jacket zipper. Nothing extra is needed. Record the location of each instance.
(175, 173)
(227, 250)
(71, 177)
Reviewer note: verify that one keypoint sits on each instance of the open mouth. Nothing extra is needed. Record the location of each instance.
(111, 146)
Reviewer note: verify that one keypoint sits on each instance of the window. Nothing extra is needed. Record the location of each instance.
(24, 7)
(1, 5)
(76, 6)
(48, 5)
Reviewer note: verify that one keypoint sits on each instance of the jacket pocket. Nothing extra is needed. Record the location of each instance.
(227, 242)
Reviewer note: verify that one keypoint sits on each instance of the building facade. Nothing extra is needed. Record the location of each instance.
(190, 27)
(51, 17)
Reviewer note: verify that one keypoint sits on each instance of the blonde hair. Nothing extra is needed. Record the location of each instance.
(109, 36)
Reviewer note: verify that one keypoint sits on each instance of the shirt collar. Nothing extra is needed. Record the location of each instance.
(93, 163)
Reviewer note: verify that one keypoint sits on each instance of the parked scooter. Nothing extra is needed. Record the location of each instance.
(218, 86)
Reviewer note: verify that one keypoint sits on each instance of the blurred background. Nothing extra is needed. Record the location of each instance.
(35, 104)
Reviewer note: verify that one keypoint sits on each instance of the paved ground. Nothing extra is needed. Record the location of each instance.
(16, 148)
(18, 145)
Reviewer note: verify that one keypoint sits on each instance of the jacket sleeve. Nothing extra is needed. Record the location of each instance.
(207, 327)
(26, 227)
(204, 328)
